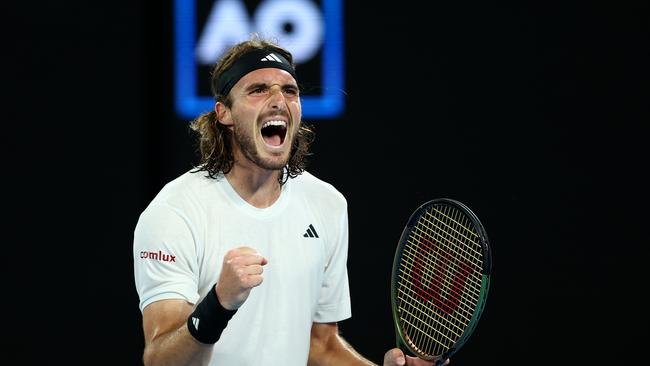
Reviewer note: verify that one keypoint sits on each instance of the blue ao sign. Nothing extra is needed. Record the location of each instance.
(311, 30)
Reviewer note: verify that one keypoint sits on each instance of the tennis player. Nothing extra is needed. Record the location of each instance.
(242, 260)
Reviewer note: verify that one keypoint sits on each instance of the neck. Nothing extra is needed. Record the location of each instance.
(258, 187)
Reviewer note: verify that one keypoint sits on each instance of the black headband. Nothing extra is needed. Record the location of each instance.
(257, 59)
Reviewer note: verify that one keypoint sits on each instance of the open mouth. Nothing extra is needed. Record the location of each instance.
(274, 132)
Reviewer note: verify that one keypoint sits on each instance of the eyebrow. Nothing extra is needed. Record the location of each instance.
(265, 85)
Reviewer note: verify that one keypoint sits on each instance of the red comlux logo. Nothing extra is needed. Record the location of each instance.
(158, 256)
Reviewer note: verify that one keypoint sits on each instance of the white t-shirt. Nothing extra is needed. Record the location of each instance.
(182, 236)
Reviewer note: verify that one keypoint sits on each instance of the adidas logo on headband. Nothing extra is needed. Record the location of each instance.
(271, 57)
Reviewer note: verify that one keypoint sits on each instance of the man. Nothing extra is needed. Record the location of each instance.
(242, 261)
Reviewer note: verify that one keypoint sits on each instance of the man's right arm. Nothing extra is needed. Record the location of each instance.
(167, 339)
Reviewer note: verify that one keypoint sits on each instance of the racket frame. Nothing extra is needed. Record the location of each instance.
(485, 272)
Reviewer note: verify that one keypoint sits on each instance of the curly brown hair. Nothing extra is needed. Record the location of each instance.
(214, 141)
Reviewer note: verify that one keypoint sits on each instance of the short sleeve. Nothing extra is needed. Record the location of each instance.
(164, 255)
(334, 301)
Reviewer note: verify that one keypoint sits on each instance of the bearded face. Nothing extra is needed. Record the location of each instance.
(265, 116)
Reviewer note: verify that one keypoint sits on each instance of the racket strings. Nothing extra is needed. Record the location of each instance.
(441, 234)
(439, 327)
(452, 329)
(413, 256)
(463, 311)
(452, 225)
(436, 283)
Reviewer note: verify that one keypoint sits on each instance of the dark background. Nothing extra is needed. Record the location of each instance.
(534, 115)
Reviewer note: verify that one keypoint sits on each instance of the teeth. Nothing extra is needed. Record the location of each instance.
(275, 123)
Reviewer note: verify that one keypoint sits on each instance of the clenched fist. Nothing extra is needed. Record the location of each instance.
(241, 271)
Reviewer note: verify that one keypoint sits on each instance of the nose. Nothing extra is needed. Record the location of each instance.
(276, 97)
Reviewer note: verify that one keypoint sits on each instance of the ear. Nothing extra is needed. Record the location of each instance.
(223, 114)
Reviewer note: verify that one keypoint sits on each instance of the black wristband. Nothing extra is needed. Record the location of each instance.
(209, 319)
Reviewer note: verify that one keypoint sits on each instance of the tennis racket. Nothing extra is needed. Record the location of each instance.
(440, 280)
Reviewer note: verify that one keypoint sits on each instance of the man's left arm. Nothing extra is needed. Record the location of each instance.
(328, 348)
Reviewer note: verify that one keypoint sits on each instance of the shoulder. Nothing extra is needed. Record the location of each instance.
(189, 186)
(186, 194)
(309, 183)
(319, 191)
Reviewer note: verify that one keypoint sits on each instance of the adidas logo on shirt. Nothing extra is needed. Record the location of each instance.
(195, 322)
(271, 57)
(311, 232)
